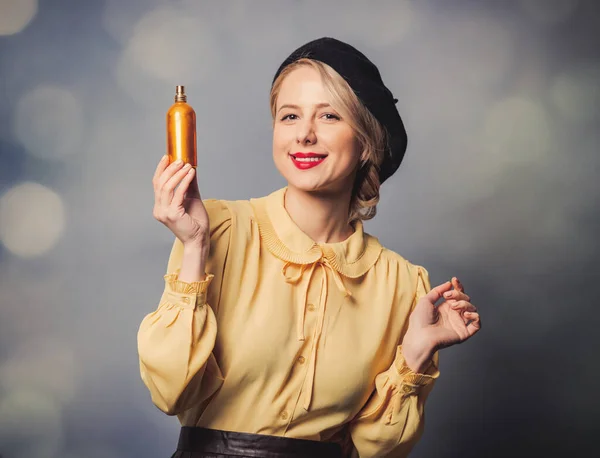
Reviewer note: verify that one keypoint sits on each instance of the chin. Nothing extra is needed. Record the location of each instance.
(306, 184)
(313, 183)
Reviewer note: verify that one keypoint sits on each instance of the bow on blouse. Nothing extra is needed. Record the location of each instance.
(326, 265)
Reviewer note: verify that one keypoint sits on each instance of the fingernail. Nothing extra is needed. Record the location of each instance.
(178, 162)
(448, 293)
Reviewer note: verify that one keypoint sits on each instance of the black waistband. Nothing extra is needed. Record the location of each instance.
(196, 439)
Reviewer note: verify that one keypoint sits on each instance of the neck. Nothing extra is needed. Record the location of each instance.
(321, 216)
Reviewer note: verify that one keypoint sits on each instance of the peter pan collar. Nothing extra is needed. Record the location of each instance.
(352, 257)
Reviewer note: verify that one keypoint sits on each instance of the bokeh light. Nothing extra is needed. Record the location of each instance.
(32, 219)
(44, 365)
(118, 17)
(30, 424)
(15, 15)
(170, 45)
(48, 122)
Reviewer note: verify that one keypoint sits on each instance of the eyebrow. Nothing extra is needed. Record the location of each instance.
(296, 107)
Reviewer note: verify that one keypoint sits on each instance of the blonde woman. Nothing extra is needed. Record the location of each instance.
(284, 329)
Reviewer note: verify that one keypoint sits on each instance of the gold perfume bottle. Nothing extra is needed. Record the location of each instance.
(181, 130)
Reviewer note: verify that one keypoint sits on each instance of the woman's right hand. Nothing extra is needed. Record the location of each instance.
(181, 209)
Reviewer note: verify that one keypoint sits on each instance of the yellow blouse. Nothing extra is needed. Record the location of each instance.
(289, 337)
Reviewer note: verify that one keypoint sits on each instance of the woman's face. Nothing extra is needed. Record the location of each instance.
(313, 147)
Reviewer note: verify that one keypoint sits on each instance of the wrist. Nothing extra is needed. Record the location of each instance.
(193, 264)
(417, 354)
(419, 364)
(194, 248)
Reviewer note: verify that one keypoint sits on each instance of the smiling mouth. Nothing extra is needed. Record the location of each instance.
(308, 157)
(305, 162)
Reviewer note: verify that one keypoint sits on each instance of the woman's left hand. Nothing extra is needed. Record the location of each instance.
(432, 328)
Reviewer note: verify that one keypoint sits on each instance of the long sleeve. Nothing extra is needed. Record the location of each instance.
(176, 341)
(392, 420)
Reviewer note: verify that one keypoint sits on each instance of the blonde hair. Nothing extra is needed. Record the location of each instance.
(369, 132)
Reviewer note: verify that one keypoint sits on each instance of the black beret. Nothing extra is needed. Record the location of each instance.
(363, 77)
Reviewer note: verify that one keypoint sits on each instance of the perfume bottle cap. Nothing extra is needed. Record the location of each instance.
(180, 94)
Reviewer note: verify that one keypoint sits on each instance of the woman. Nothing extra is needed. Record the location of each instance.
(284, 329)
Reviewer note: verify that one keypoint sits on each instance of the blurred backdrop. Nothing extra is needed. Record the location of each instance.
(499, 187)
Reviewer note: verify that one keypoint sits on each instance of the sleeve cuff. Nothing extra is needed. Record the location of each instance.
(178, 286)
(409, 377)
(188, 293)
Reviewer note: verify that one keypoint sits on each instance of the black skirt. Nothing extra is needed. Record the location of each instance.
(196, 442)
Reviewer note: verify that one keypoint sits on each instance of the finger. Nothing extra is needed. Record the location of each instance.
(168, 173)
(457, 284)
(183, 187)
(456, 295)
(166, 194)
(193, 191)
(464, 306)
(475, 324)
(436, 293)
(160, 168)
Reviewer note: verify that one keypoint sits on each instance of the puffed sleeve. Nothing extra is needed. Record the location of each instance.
(176, 341)
(392, 420)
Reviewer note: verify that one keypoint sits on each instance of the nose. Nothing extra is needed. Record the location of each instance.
(306, 134)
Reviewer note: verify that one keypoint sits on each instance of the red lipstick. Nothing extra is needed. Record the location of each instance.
(310, 160)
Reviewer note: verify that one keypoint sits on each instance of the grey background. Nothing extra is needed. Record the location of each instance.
(498, 187)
